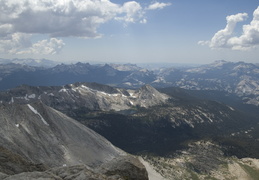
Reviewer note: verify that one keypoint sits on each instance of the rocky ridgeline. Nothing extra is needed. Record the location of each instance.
(90, 96)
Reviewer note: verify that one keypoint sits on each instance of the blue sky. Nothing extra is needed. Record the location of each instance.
(177, 31)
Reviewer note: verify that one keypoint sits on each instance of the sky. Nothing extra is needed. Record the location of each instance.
(122, 31)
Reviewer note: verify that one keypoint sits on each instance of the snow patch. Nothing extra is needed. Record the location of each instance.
(160, 80)
(36, 112)
(231, 108)
(12, 101)
(85, 87)
(63, 90)
(205, 115)
(88, 89)
(107, 94)
(133, 95)
(26, 97)
(32, 96)
(128, 83)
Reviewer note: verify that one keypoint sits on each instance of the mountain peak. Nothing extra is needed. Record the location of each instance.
(149, 96)
(219, 63)
(147, 88)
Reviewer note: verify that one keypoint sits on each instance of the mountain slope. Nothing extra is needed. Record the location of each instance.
(48, 136)
(38, 137)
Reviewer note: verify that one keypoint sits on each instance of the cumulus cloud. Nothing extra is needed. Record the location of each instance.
(130, 12)
(13, 43)
(57, 18)
(220, 39)
(20, 43)
(225, 38)
(52, 46)
(250, 36)
(158, 5)
(66, 18)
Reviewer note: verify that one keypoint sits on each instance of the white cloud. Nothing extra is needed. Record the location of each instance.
(158, 5)
(220, 39)
(143, 21)
(130, 12)
(52, 46)
(250, 36)
(58, 18)
(62, 18)
(13, 43)
(225, 38)
(20, 43)
(203, 43)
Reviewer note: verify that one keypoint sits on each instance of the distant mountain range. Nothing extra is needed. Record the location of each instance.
(239, 78)
(13, 75)
(30, 62)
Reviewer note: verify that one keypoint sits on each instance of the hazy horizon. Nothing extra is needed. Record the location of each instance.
(147, 65)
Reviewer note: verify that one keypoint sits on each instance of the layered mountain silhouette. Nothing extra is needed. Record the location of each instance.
(236, 78)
